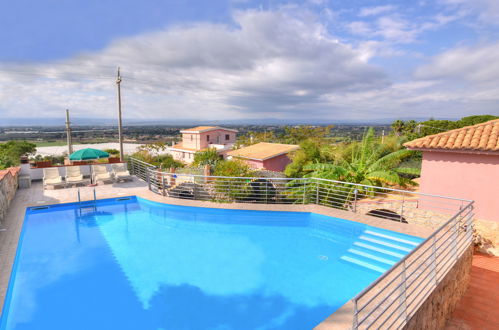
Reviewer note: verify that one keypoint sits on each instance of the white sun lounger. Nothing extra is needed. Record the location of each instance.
(121, 173)
(74, 176)
(51, 177)
(100, 173)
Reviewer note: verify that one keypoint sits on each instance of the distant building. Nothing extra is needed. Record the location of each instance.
(269, 156)
(202, 138)
(463, 163)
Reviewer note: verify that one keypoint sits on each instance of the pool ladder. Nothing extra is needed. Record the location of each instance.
(79, 196)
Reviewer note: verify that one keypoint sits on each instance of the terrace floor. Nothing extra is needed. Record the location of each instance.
(478, 309)
(10, 228)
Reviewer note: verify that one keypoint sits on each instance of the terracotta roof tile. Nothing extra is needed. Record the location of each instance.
(480, 137)
(199, 129)
(263, 150)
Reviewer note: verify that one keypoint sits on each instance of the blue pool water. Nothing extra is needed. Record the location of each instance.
(136, 264)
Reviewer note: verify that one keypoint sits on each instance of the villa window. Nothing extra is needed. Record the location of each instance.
(227, 137)
(208, 138)
(192, 137)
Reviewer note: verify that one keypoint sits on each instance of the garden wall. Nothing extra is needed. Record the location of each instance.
(8, 187)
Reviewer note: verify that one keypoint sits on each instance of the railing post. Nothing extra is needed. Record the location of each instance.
(163, 184)
(355, 193)
(194, 189)
(266, 192)
(402, 209)
(317, 192)
(304, 191)
(148, 178)
(355, 321)
(403, 298)
(434, 260)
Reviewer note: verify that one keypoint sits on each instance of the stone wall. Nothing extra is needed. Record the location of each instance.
(486, 236)
(438, 307)
(8, 187)
(409, 209)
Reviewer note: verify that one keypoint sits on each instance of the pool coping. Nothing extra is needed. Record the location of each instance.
(36, 196)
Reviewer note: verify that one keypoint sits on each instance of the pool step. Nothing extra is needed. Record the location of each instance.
(372, 256)
(378, 251)
(387, 244)
(392, 238)
(365, 264)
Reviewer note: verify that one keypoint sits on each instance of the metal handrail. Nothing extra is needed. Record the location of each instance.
(437, 253)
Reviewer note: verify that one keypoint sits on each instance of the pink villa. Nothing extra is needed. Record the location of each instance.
(202, 138)
(263, 155)
(463, 163)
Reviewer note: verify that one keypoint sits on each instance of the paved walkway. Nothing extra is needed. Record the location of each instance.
(479, 308)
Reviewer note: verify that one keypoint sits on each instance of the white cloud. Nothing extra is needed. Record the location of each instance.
(477, 64)
(487, 11)
(278, 64)
(376, 10)
(272, 62)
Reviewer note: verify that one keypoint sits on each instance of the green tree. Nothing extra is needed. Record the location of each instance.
(113, 152)
(309, 152)
(255, 137)
(206, 157)
(236, 187)
(298, 134)
(11, 152)
(398, 127)
(369, 164)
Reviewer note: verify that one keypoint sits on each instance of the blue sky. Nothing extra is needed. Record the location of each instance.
(210, 60)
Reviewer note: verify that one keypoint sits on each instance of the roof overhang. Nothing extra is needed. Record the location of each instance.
(209, 129)
(262, 159)
(458, 151)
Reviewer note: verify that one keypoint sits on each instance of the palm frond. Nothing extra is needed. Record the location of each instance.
(387, 177)
(392, 159)
(408, 170)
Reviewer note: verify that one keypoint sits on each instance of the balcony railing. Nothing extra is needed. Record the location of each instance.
(393, 298)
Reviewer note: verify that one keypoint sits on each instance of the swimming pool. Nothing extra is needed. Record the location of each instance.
(130, 263)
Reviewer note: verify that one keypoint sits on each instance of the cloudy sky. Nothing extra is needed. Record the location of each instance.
(241, 59)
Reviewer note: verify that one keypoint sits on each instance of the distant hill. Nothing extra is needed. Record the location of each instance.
(188, 122)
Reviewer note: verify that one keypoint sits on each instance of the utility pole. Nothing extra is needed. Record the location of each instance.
(68, 133)
(383, 136)
(120, 132)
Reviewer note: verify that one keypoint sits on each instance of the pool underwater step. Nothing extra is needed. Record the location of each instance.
(380, 259)
(365, 264)
(377, 251)
(392, 238)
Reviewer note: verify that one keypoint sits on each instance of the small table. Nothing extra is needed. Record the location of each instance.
(24, 181)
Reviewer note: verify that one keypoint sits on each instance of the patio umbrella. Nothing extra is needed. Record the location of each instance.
(87, 154)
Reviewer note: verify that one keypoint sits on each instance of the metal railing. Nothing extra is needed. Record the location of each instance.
(392, 299)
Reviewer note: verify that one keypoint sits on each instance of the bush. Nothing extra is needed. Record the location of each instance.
(233, 188)
(112, 152)
(11, 152)
(207, 157)
(161, 161)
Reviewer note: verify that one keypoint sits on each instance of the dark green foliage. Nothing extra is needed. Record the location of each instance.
(113, 152)
(207, 157)
(309, 152)
(412, 129)
(238, 188)
(11, 152)
(165, 161)
(369, 163)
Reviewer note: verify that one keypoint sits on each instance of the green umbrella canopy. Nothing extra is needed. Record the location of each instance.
(88, 153)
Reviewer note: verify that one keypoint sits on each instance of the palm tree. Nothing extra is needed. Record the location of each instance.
(369, 164)
(398, 127)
